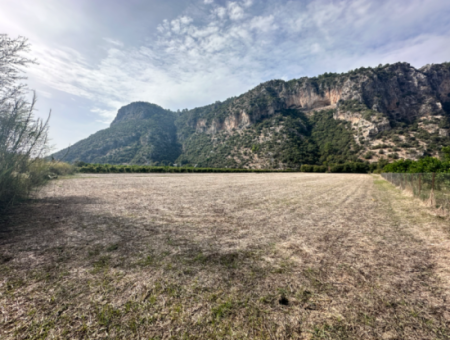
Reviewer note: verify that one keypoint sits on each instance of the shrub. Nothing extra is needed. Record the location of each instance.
(61, 168)
(19, 184)
(79, 164)
(446, 153)
(320, 168)
(426, 164)
(368, 155)
(306, 168)
(405, 145)
(106, 168)
(393, 156)
(354, 167)
(23, 138)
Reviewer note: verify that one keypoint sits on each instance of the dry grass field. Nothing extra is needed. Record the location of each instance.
(224, 256)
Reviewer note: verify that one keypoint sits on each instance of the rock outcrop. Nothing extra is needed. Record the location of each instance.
(396, 92)
(372, 105)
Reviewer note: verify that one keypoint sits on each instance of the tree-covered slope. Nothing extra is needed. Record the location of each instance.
(142, 133)
(368, 114)
(282, 140)
(391, 111)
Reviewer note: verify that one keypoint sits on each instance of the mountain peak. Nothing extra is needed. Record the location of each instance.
(394, 111)
(137, 111)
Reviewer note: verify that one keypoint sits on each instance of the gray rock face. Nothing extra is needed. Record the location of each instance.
(137, 111)
(389, 93)
(329, 118)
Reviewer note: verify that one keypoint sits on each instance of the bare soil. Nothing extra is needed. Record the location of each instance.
(224, 256)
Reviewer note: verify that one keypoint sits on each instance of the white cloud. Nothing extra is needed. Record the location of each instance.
(247, 3)
(45, 94)
(315, 48)
(235, 11)
(114, 42)
(196, 59)
(221, 12)
(108, 115)
(208, 1)
(263, 23)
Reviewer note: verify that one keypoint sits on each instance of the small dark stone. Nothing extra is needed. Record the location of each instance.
(5, 258)
(311, 306)
(283, 301)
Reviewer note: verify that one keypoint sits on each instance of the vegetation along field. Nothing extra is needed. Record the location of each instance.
(224, 256)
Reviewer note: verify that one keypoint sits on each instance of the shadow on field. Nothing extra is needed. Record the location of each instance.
(62, 232)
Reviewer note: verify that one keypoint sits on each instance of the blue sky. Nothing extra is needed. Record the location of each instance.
(98, 55)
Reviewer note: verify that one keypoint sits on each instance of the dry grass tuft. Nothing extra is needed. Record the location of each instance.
(209, 256)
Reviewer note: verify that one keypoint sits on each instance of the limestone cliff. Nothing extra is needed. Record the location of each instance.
(396, 92)
(390, 111)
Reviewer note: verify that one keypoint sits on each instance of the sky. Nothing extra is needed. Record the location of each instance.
(95, 56)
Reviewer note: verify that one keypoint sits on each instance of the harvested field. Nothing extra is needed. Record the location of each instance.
(214, 256)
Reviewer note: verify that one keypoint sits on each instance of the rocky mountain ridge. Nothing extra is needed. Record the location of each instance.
(389, 111)
(398, 92)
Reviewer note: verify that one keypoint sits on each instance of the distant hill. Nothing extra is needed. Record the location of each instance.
(391, 111)
(141, 133)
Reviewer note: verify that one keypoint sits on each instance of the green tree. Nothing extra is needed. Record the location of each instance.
(446, 153)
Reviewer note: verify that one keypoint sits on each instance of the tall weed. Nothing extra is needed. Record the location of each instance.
(23, 138)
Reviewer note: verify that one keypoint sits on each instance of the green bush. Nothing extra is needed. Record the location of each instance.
(320, 168)
(349, 167)
(107, 168)
(61, 168)
(354, 167)
(79, 164)
(27, 176)
(426, 164)
(368, 155)
(23, 138)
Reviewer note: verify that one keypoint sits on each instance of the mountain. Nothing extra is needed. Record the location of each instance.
(391, 111)
(141, 133)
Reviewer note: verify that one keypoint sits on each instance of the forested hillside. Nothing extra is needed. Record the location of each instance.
(388, 112)
(142, 133)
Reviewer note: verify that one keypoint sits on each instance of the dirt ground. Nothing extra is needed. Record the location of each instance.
(224, 256)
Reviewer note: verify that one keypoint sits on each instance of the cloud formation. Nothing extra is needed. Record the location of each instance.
(217, 49)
